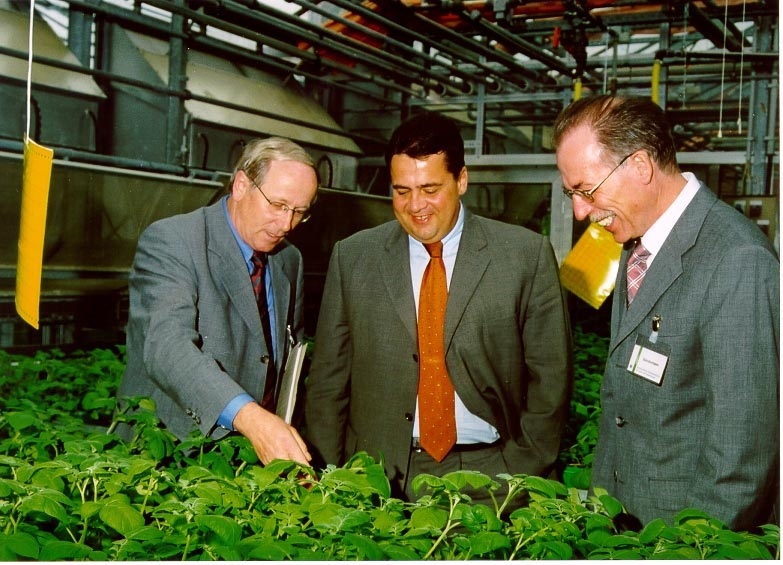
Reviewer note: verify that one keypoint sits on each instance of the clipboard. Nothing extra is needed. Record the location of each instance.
(289, 384)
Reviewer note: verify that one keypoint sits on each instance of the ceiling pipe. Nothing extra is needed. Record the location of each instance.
(395, 27)
(399, 45)
(160, 30)
(707, 27)
(275, 44)
(515, 43)
(308, 32)
(469, 50)
(493, 81)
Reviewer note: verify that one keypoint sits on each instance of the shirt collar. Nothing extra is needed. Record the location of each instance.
(450, 240)
(655, 237)
(247, 251)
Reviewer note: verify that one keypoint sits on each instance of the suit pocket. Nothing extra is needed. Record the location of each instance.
(668, 495)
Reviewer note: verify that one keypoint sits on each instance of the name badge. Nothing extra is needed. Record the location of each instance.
(649, 357)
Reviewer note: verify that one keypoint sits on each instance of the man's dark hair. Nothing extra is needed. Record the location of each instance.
(428, 133)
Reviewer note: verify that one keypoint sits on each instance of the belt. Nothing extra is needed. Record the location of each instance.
(458, 447)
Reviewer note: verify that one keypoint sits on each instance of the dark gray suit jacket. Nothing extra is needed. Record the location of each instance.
(708, 436)
(194, 337)
(507, 346)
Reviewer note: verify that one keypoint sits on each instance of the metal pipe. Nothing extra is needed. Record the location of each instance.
(518, 44)
(358, 49)
(183, 94)
(473, 48)
(281, 20)
(148, 25)
(390, 41)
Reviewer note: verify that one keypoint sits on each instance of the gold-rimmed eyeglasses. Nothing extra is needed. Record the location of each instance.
(299, 215)
(588, 194)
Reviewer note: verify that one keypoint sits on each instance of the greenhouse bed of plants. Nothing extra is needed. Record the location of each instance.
(70, 489)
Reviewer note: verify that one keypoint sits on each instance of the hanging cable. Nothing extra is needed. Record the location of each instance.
(29, 68)
(685, 52)
(742, 68)
(723, 70)
(606, 62)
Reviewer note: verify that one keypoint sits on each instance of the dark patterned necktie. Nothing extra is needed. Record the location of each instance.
(259, 288)
(637, 267)
(437, 424)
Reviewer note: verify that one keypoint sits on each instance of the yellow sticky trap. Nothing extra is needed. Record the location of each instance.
(32, 227)
(590, 269)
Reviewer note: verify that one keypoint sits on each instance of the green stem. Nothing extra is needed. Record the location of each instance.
(449, 525)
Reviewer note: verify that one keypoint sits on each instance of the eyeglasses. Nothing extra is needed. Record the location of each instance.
(299, 215)
(588, 194)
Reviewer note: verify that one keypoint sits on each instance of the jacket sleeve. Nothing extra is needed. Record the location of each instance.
(546, 336)
(740, 331)
(164, 309)
(328, 382)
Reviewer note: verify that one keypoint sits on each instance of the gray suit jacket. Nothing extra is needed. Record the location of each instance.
(708, 436)
(507, 346)
(194, 337)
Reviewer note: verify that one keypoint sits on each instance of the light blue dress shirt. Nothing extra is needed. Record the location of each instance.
(470, 428)
(226, 418)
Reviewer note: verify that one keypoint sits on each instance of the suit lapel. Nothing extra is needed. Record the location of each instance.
(472, 261)
(282, 285)
(664, 271)
(228, 266)
(396, 274)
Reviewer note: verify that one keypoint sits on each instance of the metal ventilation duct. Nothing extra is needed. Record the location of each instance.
(214, 132)
(64, 103)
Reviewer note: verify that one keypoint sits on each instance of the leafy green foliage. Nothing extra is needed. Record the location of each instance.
(581, 433)
(70, 489)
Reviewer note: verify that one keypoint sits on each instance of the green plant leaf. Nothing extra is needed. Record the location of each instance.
(121, 517)
(271, 550)
(612, 506)
(367, 548)
(488, 542)
(399, 552)
(225, 528)
(21, 420)
(22, 544)
(57, 550)
(652, 530)
(48, 502)
(460, 479)
(423, 480)
(429, 518)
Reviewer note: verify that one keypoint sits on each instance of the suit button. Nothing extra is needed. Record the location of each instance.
(619, 421)
(415, 358)
(265, 359)
(408, 416)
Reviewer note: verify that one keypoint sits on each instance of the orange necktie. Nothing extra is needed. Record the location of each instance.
(437, 426)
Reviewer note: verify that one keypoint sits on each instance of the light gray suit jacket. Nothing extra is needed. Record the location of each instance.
(507, 346)
(708, 436)
(194, 337)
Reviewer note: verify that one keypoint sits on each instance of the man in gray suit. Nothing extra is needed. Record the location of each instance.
(196, 343)
(690, 394)
(506, 338)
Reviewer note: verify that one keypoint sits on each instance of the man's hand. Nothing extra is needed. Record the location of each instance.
(271, 437)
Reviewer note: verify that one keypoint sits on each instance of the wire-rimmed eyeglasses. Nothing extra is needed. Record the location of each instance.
(588, 194)
(299, 215)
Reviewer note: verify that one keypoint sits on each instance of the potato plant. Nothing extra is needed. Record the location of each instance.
(70, 489)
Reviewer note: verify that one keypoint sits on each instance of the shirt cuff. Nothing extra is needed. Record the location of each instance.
(226, 418)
